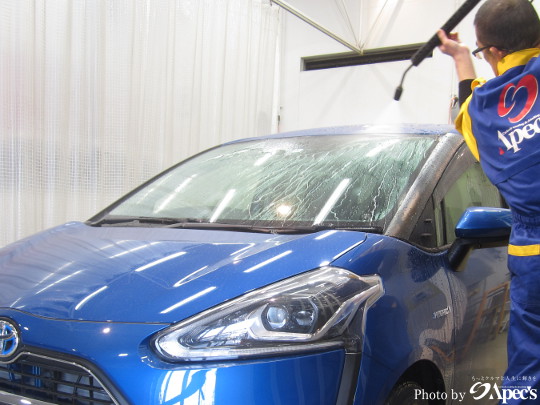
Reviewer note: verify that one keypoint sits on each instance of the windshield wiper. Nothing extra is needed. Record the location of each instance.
(300, 229)
(140, 221)
(183, 223)
(198, 223)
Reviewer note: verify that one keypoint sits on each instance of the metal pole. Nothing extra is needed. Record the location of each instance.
(308, 20)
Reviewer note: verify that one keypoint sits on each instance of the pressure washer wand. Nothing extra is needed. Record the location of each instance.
(429, 46)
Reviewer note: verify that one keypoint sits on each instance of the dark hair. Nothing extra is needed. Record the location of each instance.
(510, 25)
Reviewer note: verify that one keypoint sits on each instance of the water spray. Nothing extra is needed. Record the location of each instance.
(429, 46)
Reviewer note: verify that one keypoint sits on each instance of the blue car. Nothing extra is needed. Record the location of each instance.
(353, 265)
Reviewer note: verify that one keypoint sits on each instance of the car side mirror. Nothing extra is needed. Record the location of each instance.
(479, 227)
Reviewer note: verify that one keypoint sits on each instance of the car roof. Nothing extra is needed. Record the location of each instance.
(405, 129)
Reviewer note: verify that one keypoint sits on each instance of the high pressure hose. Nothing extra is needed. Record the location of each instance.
(429, 46)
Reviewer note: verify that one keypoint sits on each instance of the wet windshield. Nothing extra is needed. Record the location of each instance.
(325, 181)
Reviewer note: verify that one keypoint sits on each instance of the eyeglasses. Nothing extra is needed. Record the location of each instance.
(477, 53)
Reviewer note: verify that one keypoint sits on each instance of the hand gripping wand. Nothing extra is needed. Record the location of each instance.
(428, 47)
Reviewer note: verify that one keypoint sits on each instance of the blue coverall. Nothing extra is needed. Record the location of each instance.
(500, 122)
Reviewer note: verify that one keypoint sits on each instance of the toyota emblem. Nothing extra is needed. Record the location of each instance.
(9, 339)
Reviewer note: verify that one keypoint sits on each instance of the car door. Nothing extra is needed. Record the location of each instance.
(480, 286)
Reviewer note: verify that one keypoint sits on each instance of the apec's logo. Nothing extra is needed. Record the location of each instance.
(480, 391)
(515, 103)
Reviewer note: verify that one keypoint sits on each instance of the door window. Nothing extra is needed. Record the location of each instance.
(470, 189)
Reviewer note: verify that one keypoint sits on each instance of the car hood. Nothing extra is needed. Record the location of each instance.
(153, 275)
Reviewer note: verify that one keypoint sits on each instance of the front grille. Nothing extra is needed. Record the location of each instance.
(52, 381)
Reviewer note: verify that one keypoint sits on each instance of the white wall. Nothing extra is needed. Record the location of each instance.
(364, 94)
(98, 96)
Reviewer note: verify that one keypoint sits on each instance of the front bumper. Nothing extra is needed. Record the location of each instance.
(73, 356)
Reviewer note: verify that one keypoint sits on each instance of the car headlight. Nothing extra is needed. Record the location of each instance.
(311, 311)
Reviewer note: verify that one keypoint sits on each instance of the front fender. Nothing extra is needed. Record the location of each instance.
(411, 322)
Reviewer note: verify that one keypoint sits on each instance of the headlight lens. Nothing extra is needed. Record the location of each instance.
(309, 311)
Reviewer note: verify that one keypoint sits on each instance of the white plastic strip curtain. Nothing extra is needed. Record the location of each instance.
(98, 95)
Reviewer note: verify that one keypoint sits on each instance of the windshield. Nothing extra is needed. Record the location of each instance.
(349, 181)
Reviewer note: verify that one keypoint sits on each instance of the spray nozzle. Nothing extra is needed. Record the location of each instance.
(399, 89)
(397, 94)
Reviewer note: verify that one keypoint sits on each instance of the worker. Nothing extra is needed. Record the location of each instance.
(500, 121)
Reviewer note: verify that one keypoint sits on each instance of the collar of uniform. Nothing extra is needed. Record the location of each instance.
(517, 59)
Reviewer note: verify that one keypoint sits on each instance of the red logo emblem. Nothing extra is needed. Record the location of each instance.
(507, 102)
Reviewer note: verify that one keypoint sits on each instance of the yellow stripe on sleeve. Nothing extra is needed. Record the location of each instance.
(526, 250)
